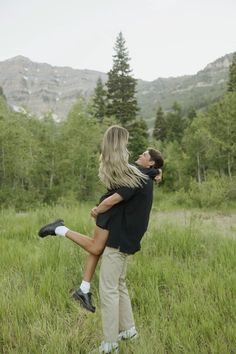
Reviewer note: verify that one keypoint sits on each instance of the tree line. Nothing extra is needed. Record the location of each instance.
(43, 161)
(200, 147)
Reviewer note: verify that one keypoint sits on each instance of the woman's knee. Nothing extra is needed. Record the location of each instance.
(99, 241)
(97, 249)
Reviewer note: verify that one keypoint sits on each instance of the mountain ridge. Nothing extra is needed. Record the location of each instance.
(40, 87)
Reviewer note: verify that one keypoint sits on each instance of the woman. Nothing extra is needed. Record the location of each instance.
(114, 172)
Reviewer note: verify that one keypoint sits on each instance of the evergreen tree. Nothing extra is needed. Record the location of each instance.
(138, 139)
(99, 100)
(175, 123)
(160, 128)
(4, 111)
(232, 75)
(121, 86)
(2, 93)
(191, 114)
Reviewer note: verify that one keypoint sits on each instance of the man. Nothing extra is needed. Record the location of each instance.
(124, 239)
(126, 230)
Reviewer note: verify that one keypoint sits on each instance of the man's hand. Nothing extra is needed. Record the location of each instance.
(94, 212)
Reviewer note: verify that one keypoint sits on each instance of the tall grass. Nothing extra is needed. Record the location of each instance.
(182, 286)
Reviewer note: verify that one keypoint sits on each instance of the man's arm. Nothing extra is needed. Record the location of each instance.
(106, 204)
(154, 173)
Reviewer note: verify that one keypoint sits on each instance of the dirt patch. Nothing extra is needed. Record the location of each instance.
(224, 223)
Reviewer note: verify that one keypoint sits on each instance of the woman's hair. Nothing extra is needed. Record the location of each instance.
(115, 170)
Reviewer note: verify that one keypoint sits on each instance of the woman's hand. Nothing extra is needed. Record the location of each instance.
(158, 177)
(94, 212)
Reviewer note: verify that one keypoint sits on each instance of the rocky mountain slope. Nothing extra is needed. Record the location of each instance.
(40, 87)
(190, 91)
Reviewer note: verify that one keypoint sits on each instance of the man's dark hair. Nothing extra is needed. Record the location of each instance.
(156, 157)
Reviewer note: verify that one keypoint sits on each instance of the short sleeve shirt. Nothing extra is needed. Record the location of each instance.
(128, 221)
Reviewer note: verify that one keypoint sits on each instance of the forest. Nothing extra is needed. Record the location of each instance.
(43, 161)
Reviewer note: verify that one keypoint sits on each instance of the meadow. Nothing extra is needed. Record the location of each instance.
(182, 284)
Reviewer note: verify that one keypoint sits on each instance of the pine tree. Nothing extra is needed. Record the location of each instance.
(175, 123)
(138, 138)
(159, 131)
(121, 86)
(99, 100)
(1, 92)
(232, 75)
(191, 114)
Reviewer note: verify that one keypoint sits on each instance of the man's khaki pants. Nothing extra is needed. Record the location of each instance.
(116, 307)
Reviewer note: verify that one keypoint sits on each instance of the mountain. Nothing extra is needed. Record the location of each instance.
(42, 87)
(196, 91)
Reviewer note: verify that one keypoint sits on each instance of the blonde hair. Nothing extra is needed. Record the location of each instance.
(115, 170)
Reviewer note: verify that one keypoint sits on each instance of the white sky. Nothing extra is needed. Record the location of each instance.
(164, 37)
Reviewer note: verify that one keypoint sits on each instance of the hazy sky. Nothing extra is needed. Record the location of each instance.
(164, 37)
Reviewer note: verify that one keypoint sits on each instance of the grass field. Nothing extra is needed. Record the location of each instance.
(182, 285)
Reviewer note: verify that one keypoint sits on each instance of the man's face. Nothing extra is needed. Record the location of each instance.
(144, 160)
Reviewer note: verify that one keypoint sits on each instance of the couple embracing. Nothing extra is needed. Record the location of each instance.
(122, 217)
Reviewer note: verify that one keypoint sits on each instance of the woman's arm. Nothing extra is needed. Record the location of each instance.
(106, 204)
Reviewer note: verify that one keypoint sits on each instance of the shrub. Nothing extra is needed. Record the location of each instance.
(210, 193)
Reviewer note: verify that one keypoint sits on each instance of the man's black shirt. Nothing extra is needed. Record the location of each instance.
(128, 221)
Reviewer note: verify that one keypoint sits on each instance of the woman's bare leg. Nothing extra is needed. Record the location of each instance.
(83, 294)
(97, 244)
(90, 267)
(93, 245)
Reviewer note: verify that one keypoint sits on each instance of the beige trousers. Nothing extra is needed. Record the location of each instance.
(116, 307)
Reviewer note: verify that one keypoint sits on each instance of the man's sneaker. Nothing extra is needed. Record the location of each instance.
(84, 299)
(129, 334)
(107, 348)
(49, 229)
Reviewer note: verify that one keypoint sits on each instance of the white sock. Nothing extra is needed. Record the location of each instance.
(85, 286)
(61, 230)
